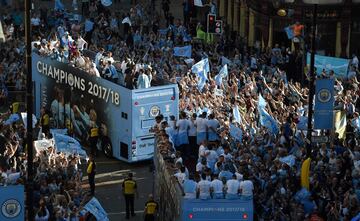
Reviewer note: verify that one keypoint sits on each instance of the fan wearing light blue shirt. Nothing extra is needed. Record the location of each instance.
(203, 187)
(190, 188)
(217, 188)
(183, 127)
(201, 128)
(213, 125)
(143, 80)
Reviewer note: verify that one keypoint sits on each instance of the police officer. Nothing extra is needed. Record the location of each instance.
(93, 139)
(129, 189)
(150, 209)
(45, 122)
(91, 171)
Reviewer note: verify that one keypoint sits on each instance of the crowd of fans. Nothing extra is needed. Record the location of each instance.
(132, 50)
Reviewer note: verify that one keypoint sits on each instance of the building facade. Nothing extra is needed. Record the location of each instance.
(257, 21)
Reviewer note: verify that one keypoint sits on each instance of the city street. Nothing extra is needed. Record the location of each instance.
(110, 175)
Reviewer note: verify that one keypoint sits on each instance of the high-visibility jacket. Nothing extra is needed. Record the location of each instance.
(129, 186)
(94, 132)
(150, 207)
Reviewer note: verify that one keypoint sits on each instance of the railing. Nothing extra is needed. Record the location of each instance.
(167, 189)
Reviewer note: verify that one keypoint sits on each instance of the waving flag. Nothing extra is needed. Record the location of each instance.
(225, 60)
(340, 123)
(289, 160)
(126, 21)
(262, 102)
(268, 121)
(201, 69)
(183, 51)
(198, 3)
(68, 145)
(222, 74)
(106, 3)
(59, 6)
(24, 118)
(289, 32)
(236, 114)
(12, 118)
(95, 208)
(236, 132)
(2, 35)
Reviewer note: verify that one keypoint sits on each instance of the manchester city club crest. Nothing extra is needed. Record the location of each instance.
(154, 111)
(324, 95)
(11, 208)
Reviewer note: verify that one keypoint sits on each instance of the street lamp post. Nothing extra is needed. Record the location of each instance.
(312, 66)
(311, 82)
(29, 110)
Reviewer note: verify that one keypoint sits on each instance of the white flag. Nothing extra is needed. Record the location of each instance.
(2, 36)
(198, 3)
(106, 3)
(126, 20)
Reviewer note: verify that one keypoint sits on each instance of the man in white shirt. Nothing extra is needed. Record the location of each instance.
(66, 40)
(202, 165)
(192, 135)
(232, 188)
(203, 187)
(143, 80)
(98, 57)
(217, 188)
(246, 188)
(201, 128)
(181, 175)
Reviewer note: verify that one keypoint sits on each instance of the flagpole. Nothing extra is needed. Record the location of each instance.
(29, 107)
(311, 83)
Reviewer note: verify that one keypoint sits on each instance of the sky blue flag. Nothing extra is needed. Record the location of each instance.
(268, 121)
(302, 125)
(59, 6)
(59, 131)
(163, 31)
(68, 145)
(95, 208)
(289, 160)
(262, 102)
(201, 69)
(106, 3)
(338, 65)
(356, 218)
(12, 118)
(236, 132)
(223, 73)
(183, 51)
(225, 60)
(289, 32)
(236, 114)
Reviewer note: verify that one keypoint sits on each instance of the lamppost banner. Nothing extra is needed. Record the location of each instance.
(324, 104)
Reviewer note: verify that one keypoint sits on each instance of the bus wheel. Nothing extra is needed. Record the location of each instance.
(107, 148)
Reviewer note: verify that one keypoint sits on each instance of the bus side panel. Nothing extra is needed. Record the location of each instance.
(124, 126)
(147, 104)
(77, 100)
(217, 209)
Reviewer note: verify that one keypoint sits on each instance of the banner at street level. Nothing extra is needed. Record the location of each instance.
(12, 203)
(324, 104)
(338, 65)
(94, 207)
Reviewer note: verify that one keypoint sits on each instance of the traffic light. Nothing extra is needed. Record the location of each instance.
(213, 26)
